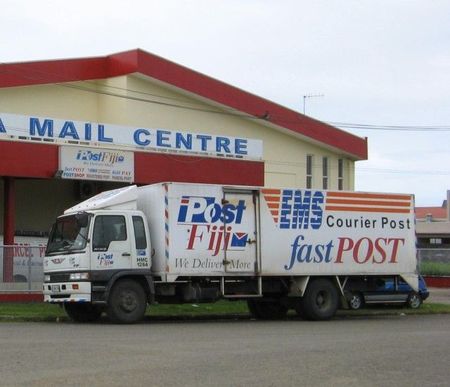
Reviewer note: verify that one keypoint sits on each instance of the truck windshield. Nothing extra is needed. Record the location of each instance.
(67, 235)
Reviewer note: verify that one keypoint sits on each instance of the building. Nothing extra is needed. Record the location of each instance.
(71, 128)
(433, 226)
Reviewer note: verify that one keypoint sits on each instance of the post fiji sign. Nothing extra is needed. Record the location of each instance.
(96, 164)
(52, 130)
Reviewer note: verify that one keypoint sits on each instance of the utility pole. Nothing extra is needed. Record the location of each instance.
(309, 96)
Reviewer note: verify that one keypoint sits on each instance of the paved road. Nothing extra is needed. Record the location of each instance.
(396, 351)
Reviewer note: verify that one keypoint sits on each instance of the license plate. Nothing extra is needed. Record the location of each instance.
(56, 288)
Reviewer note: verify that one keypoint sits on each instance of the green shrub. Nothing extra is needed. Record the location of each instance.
(435, 268)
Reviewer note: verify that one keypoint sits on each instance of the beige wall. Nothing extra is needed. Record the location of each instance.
(284, 155)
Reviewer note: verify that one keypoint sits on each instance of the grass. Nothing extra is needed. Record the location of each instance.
(41, 312)
(435, 268)
(33, 311)
(220, 308)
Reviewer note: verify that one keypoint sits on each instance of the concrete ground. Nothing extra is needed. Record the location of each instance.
(439, 295)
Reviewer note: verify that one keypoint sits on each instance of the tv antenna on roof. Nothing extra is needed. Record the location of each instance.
(310, 96)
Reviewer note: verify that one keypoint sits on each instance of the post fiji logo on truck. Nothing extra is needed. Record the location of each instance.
(213, 225)
(105, 259)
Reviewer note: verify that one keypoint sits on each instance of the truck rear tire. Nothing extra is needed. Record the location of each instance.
(82, 312)
(267, 309)
(127, 302)
(321, 300)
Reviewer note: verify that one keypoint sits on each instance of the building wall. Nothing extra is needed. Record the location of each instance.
(137, 101)
(101, 101)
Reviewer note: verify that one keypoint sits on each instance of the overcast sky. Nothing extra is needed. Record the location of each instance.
(381, 63)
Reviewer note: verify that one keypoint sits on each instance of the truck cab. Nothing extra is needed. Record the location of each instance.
(89, 253)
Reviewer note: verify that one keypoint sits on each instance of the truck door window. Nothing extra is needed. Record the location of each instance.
(108, 228)
(139, 233)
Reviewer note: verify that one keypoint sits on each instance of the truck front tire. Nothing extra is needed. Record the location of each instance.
(321, 300)
(127, 302)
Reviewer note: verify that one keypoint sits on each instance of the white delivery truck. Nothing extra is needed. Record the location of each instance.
(279, 249)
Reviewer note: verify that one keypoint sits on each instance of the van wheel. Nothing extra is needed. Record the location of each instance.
(414, 301)
(355, 301)
(320, 301)
(82, 312)
(267, 309)
(127, 302)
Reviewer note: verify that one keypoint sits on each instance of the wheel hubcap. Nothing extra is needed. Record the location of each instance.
(355, 302)
(321, 299)
(128, 301)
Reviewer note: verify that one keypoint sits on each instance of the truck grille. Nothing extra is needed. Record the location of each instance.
(62, 277)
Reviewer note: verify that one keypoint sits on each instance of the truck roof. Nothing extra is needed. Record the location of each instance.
(118, 199)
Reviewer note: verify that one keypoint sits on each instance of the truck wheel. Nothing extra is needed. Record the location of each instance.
(320, 301)
(127, 302)
(355, 301)
(82, 312)
(267, 309)
(414, 301)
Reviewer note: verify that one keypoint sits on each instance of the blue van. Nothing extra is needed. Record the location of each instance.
(384, 290)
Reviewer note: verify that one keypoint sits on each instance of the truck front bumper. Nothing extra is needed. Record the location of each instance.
(57, 292)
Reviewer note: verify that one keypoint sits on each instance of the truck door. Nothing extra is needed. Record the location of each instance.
(239, 222)
(111, 246)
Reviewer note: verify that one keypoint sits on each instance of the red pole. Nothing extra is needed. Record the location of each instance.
(9, 226)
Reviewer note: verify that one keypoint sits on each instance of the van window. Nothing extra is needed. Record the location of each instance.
(108, 228)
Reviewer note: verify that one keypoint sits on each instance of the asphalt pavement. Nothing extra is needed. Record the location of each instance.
(362, 352)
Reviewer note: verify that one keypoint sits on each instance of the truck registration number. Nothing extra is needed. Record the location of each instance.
(56, 288)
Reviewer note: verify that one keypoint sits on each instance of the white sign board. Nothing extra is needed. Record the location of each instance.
(96, 164)
(51, 130)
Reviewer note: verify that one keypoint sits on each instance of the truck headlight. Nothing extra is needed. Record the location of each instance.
(47, 278)
(79, 276)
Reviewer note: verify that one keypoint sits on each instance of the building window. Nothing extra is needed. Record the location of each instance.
(325, 172)
(435, 241)
(309, 171)
(340, 174)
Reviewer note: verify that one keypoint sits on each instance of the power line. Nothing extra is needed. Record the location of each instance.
(227, 111)
(402, 171)
(409, 128)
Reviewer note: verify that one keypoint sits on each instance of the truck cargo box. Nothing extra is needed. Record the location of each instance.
(212, 230)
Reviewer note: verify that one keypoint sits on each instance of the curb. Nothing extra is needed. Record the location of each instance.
(435, 281)
(21, 297)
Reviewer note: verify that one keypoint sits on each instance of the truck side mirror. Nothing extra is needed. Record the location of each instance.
(82, 219)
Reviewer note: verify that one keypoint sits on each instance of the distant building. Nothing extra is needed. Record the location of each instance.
(433, 225)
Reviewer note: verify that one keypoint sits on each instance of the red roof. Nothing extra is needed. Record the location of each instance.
(436, 212)
(138, 61)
